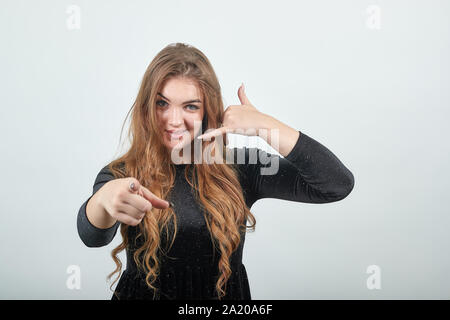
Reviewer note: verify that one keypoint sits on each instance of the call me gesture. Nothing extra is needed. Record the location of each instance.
(244, 119)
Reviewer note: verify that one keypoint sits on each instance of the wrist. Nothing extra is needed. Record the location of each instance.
(266, 124)
(283, 140)
(98, 215)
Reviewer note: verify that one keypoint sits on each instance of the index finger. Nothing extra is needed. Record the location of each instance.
(215, 133)
(156, 202)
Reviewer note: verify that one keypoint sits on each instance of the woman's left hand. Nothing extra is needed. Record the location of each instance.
(242, 119)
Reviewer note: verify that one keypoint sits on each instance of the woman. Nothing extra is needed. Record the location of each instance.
(183, 221)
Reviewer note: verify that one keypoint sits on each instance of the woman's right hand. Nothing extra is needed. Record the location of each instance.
(126, 205)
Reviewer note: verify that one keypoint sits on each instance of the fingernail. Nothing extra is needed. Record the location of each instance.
(171, 204)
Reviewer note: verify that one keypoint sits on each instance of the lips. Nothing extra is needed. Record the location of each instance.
(176, 134)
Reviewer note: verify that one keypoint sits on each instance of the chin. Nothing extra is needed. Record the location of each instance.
(170, 144)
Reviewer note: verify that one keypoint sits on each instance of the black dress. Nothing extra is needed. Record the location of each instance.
(310, 173)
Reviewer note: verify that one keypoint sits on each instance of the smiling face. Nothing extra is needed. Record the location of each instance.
(178, 104)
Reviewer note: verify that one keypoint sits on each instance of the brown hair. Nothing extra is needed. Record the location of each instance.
(217, 186)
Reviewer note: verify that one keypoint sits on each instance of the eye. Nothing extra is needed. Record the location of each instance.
(161, 103)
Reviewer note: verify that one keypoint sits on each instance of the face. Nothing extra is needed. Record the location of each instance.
(178, 104)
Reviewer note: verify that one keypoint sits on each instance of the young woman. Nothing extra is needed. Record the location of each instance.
(183, 220)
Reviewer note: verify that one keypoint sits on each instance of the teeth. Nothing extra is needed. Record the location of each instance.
(177, 134)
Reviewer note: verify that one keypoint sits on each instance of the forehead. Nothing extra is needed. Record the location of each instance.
(178, 90)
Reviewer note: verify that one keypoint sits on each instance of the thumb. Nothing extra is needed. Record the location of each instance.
(242, 96)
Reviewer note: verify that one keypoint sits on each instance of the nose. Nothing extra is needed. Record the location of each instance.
(175, 117)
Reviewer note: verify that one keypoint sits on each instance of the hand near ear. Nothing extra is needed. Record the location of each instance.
(242, 119)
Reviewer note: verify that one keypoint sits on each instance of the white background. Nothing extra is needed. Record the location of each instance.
(377, 98)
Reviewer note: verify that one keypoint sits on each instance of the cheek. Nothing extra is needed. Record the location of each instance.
(159, 118)
(194, 119)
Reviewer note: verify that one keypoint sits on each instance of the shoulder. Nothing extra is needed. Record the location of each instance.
(106, 173)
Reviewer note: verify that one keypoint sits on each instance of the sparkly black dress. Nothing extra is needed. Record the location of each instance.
(310, 173)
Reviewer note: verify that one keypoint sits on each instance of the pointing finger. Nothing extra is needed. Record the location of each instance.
(215, 133)
(156, 202)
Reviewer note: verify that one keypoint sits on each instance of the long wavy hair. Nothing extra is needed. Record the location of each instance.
(216, 185)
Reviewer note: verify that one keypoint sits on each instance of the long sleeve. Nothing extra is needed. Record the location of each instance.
(310, 173)
(90, 234)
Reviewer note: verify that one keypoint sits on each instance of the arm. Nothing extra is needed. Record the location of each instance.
(94, 235)
(309, 173)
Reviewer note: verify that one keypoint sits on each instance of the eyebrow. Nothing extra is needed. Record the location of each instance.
(190, 101)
